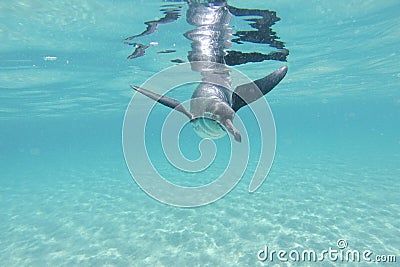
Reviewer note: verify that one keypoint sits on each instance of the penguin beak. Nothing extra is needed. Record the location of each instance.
(232, 130)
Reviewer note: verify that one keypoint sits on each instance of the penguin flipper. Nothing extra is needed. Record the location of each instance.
(247, 93)
(166, 101)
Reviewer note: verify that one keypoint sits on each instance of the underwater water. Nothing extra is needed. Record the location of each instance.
(67, 197)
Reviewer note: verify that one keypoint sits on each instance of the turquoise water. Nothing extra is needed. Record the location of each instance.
(67, 197)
